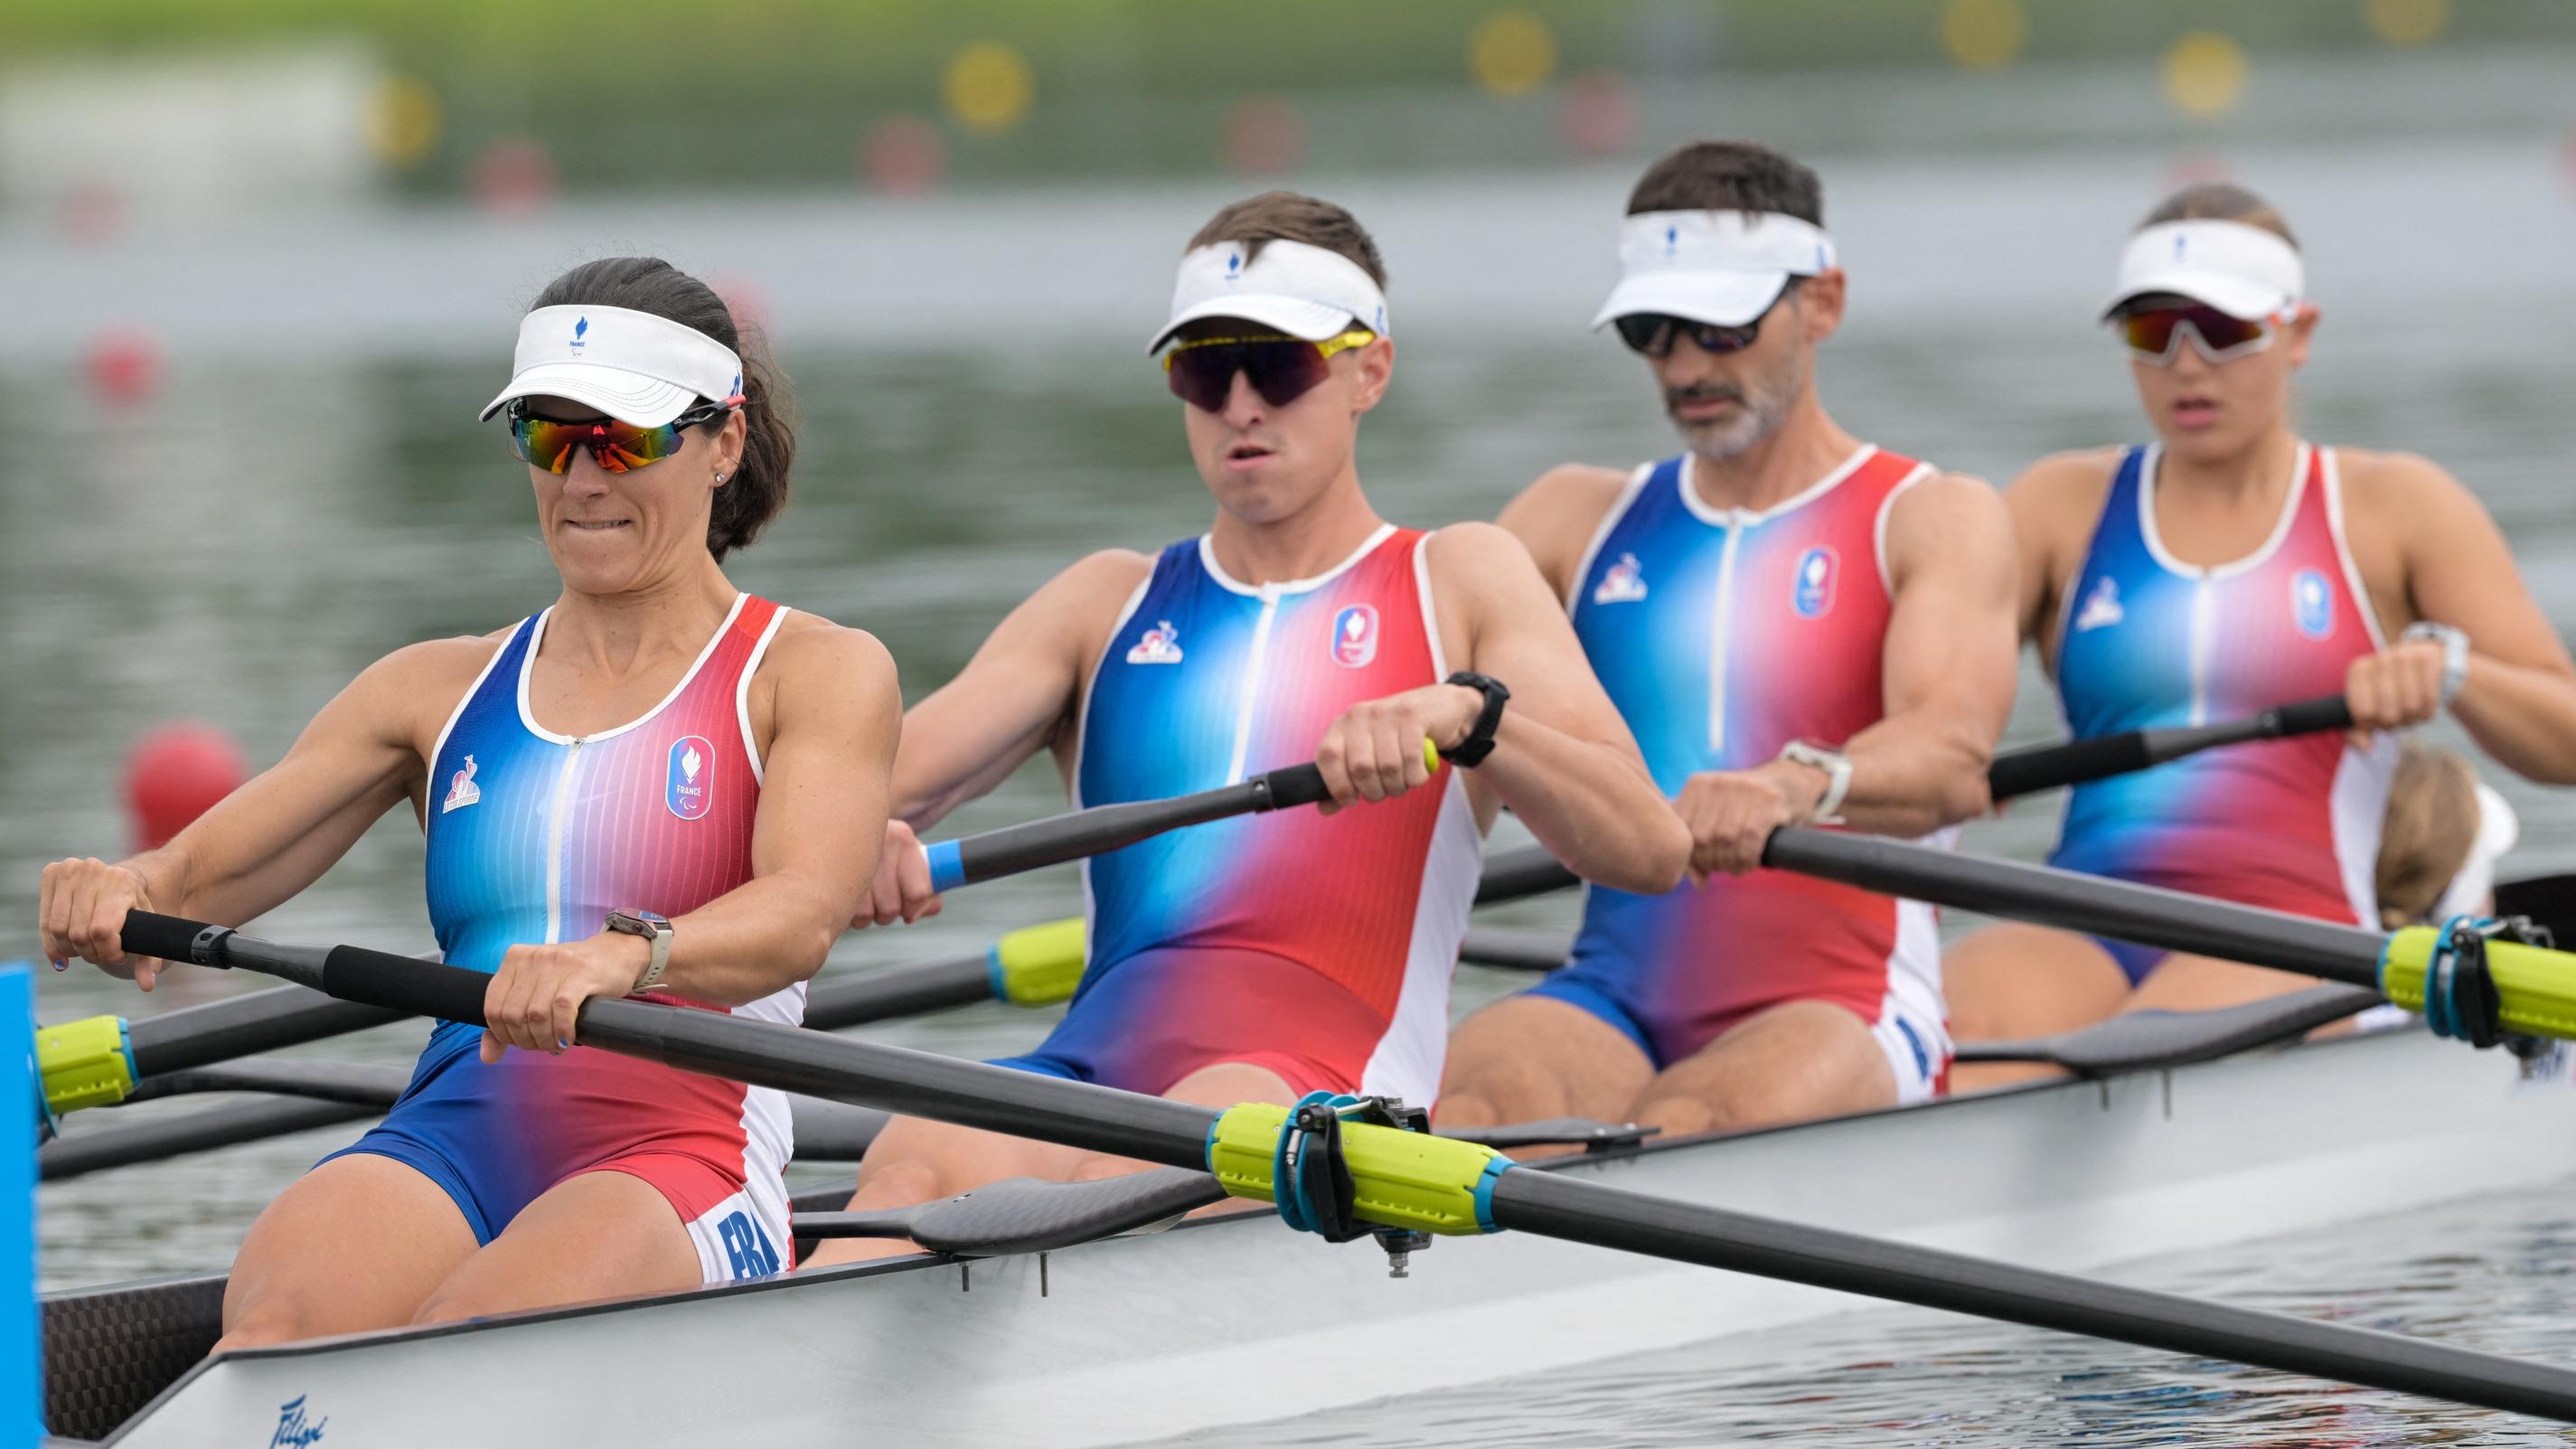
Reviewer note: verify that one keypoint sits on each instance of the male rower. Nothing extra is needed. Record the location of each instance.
(1266, 957)
(1799, 627)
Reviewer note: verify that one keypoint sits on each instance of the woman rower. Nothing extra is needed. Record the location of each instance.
(2222, 570)
(659, 785)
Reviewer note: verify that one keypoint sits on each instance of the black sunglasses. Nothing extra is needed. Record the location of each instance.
(1651, 334)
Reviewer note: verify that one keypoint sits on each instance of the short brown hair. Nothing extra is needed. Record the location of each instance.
(2220, 201)
(1291, 216)
(1742, 176)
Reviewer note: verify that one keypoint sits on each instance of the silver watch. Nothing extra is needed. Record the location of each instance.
(1838, 770)
(653, 927)
(2455, 654)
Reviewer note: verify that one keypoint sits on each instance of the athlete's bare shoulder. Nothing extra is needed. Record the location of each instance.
(2060, 496)
(810, 643)
(1555, 517)
(2374, 480)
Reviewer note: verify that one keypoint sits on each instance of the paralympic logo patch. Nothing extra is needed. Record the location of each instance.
(687, 788)
(461, 789)
(1811, 590)
(1355, 636)
(1160, 644)
(2312, 604)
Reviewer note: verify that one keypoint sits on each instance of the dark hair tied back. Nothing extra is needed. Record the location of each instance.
(757, 491)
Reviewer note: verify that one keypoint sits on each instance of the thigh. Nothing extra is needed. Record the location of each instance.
(597, 1235)
(1526, 1058)
(1786, 1063)
(1218, 1084)
(360, 1242)
(2198, 983)
(2012, 981)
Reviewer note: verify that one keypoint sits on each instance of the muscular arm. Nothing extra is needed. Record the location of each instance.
(1014, 695)
(2519, 703)
(814, 843)
(1563, 760)
(278, 833)
(1949, 662)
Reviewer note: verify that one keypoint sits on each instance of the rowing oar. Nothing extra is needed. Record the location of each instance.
(1405, 1181)
(2073, 762)
(98, 1060)
(1529, 872)
(2533, 993)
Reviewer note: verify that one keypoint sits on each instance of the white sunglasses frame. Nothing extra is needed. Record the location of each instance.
(2271, 333)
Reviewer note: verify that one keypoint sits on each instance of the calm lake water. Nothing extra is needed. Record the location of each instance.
(306, 491)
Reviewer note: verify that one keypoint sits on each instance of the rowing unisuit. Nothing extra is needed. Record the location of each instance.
(1317, 946)
(2145, 641)
(1722, 636)
(534, 837)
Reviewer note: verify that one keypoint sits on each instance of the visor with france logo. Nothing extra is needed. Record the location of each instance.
(634, 366)
(1301, 290)
(2244, 271)
(1724, 268)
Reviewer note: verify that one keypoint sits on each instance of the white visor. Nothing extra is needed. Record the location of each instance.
(634, 366)
(1304, 291)
(1725, 268)
(2243, 271)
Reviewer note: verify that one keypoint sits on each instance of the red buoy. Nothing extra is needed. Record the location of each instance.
(124, 365)
(173, 775)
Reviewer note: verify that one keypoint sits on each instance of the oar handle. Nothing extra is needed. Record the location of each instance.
(2045, 767)
(1103, 828)
(399, 983)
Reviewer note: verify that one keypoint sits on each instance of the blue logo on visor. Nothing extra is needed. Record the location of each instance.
(1672, 240)
(578, 328)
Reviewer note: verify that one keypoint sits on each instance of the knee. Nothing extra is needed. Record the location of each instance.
(1676, 1115)
(262, 1328)
(900, 1183)
(1466, 1109)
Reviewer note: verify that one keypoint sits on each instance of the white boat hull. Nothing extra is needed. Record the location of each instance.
(1234, 1322)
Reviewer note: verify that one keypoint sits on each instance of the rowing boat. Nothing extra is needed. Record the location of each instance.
(1086, 1345)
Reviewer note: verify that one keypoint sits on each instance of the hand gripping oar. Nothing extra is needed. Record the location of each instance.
(1407, 1182)
(2045, 767)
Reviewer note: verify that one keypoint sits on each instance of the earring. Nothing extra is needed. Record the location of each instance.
(720, 478)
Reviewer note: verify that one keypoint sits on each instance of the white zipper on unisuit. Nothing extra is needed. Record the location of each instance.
(554, 844)
(1252, 681)
(1723, 623)
(2201, 623)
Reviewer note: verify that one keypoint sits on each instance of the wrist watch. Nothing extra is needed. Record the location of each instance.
(1470, 752)
(2455, 654)
(1837, 768)
(652, 926)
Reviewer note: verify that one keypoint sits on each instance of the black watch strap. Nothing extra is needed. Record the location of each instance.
(1471, 751)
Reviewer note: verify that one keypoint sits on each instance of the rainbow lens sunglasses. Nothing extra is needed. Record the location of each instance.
(2154, 334)
(617, 447)
(1281, 369)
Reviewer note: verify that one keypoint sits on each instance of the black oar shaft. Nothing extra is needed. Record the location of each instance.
(1176, 1134)
(2045, 767)
(257, 1021)
(1566, 1207)
(858, 999)
(2045, 896)
(1104, 828)
(765, 1054)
